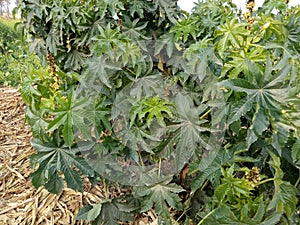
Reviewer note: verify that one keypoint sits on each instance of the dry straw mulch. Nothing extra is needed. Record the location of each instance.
(20, 202)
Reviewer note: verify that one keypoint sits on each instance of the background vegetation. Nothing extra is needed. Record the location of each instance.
(15, 59)
(195, 115)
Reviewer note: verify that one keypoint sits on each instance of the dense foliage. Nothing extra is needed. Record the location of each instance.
(196, 115)
(15, 59)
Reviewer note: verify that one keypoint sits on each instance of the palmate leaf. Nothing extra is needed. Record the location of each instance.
(260, 123)
(108, 211)
(224, 215)
(210, 166)
(285, 194)
(76, 15)
(187, 133)
(167, 9)
(92, 30)
(287, 53)
(52, 160)
(36, 120)
(139, 7)
(74, 60)
(109, 40)
(134, 29)
(145, 86)
(159, 195)
(281, 134)
(191, 129)
(232, 187)
(100, 69)
(38, 46)
(271, 27)
(211, 169)
(72, 115)
(270, 5)
(230, 35)
(238, 61)
(131, 56)
(136, 138)
(266, 91)
(165, 42)
(102, 116)
(52, 41)
(184, 29)
(240, 109)
(28, 90)
(151, 108)
(114, 6)
(198, 59)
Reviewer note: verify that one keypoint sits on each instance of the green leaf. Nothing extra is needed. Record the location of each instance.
(167, 8)
(100, 68)
(83, 212)
(109, 41)
(107, 211)
(269, 6)
(240, 109)
(260, 121)
(232, 187)
(55, 184)
(296, 152)
(75, 60)
(280, 135)
(230, 35)
(139, 7)
(159, 195)
(237, 64)
(36, 120)
(211, 169)
(52, 160)
(94, 212)
(75, 115)
(72, 177)
(164, 42)
(134, 29)
(285, 194)
(184, 29)
(191, 127)
(267, 91)
(251, 137)
(150, 108)
(225, 215)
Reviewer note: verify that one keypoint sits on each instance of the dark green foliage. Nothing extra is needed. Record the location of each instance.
(53, 159)
(196, 115)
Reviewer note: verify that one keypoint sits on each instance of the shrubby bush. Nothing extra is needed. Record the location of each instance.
(195, 115)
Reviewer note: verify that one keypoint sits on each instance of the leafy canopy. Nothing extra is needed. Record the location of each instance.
(195, 115)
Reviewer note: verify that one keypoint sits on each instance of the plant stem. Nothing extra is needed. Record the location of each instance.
(131, 71)
(205, 114)
(159, 167)
(141, 158)
(105, 189)
(265, 181)
(204, 218)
